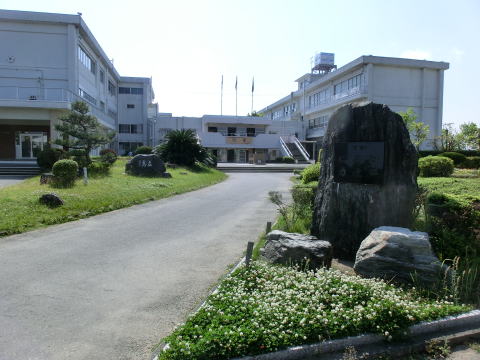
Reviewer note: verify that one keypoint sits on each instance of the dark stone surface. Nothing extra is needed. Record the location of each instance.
(145, 165)
(290, 248)
(398, 254)
(51, 200)
(346, 212)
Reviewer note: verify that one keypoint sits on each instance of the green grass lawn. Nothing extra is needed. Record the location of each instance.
(20, 210)
(466, 189)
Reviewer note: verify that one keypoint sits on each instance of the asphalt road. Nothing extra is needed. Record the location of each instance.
(6, 180)
(111, 286)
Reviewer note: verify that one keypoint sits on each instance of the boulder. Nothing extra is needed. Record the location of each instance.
(368, 176)
(398, 254)
(51, 200)
(287, 248)
(145, 165)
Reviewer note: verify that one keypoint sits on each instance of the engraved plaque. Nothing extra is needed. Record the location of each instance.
(359, 162)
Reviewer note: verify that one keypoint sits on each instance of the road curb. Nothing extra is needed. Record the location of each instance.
(452, 329)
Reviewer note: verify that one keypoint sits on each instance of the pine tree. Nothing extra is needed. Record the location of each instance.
(81, 131)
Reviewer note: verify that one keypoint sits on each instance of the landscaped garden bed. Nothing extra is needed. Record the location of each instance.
(265, 308)
(21, 211)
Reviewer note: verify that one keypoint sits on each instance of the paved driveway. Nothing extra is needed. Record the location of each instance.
(6, 180)
(109, 287)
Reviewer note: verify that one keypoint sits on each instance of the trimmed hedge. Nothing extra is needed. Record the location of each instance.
(455, 156)
(471, 162)
(431, 166)
(65, 172)
(423, 153)
(49, 156)
(311, 173)
(97, 168)
(143, 150)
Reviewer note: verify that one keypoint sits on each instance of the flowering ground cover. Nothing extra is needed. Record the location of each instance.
(265, 308)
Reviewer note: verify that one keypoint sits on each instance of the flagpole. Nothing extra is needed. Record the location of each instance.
(253, 87)
(236, 95)
(221, 98)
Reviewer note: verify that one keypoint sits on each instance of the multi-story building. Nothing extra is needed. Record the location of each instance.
(241, 139)
(47, 61)
(398, 83)
(136, 113)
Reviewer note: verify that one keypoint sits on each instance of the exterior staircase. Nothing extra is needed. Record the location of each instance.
(292, 147)
(29, 168)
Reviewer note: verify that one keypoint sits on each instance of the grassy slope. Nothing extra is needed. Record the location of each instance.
(20, 210)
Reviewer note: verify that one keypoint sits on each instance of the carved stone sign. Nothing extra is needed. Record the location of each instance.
(368, 176)
(359, 162)
(145, 165)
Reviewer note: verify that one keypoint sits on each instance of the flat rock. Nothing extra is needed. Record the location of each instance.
(398, 253)
(291, 248)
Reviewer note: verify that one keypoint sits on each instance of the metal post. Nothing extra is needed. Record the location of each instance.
(269, 227)
(248, 257)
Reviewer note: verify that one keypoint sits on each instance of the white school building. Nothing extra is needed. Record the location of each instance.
(47, 61)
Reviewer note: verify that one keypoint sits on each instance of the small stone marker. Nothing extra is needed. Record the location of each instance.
(85, 176)
(46, 178)
(269, 227)
(248, 257)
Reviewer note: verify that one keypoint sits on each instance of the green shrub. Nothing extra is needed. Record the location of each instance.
(48, 156)
(455, 156)
(108, 157)
(98, 168)
(311, 173)
(79, 157)
(471, 162)
(108, 151)
(431, 166)
(453, 225)
(181, 148)
(65, 172)
(284, 160)
(143, 150)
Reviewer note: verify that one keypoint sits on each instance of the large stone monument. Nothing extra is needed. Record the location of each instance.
(368, 176)
(146, 165)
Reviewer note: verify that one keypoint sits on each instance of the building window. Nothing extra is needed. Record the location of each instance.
(137, 129)
(128, 90)
(250, 131)
(102, 105)
(102, 76)
(232, 131)
(130, 106)
(130, 128)
(112, 89)
(318, 123)
(212, 129)
(86, 60)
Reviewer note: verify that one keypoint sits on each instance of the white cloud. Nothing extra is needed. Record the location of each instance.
(417, 54)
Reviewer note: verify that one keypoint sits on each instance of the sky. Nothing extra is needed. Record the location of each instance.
(186, 46)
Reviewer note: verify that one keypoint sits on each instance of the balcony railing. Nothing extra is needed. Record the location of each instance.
(35, 94)
(56, 95)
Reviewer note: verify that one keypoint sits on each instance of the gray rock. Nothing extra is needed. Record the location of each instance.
(51, 200)
(398, 253)
(368, 176)
(290, 248)
(145, 165)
